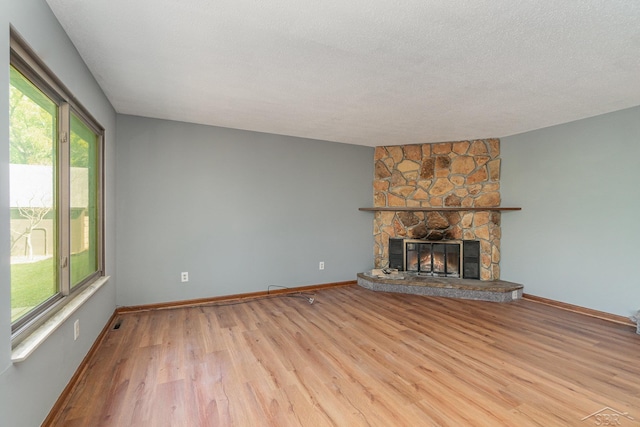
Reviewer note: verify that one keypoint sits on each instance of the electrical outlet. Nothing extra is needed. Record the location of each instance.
(76, 329)
(321, 265)
(184, 276)
(514, 294)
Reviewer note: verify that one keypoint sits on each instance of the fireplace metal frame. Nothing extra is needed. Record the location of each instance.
(469, 264)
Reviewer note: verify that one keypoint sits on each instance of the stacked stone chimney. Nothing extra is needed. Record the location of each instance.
(451, 175)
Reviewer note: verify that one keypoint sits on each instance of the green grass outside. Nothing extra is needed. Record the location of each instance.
(33, 283)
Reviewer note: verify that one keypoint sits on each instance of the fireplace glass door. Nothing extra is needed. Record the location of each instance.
(436, 259)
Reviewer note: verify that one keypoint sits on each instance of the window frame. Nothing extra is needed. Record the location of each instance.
(25, 61)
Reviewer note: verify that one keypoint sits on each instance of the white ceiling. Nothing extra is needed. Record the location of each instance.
(367, 72)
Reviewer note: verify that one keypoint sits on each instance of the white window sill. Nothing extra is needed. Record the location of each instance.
(33, 341)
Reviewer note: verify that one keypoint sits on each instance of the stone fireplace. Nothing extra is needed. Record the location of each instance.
(439, 192)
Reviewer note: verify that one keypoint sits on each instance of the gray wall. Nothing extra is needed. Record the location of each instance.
(29, 389)
(237, 210)
(576, 238)
(5, 290)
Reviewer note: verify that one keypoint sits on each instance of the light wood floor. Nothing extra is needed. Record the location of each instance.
(360, 358)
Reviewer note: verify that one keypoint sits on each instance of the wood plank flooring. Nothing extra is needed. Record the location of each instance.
(360, 358)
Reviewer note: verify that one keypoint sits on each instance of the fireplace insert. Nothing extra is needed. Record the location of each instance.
(442, 258)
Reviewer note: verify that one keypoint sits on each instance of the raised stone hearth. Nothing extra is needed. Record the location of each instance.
(408, 283)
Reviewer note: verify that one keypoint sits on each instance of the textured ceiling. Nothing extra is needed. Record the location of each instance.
(368, 72)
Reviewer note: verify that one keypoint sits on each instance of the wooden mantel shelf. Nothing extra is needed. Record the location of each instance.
(421, 209)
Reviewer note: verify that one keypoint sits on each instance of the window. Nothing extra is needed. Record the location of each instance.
(55, 192)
